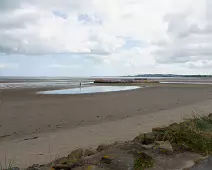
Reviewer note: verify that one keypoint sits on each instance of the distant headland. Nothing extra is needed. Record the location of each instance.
(167, 75)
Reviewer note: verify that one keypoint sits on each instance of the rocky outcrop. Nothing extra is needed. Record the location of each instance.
(103, 147)
(89, 152)
(75, 156)
(163, 147)
(107, 159)
(145, 138)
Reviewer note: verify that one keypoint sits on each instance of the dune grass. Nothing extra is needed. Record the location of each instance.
(143, 161)
(7, 165)
(195, 133)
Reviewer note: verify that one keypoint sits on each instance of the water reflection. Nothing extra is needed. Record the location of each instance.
(92, 89)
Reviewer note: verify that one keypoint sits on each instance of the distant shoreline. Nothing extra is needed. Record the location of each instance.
(68, 83)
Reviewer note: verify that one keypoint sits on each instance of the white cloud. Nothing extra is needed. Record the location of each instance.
(31, 27)
(176, 32)
(188, 36)
(8, 65)
(61, 66)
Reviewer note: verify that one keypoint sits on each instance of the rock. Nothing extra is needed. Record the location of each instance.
(180, 147)
(159, 129)
(118, 143)
(163, 147)
(164, 133)
(132, 146)
(89, 152)
(145, 138)
(75, 156)
(38, 167)
(149, 138)
(45, 168)
(33, 167)
(60, 167)
(103, 147)
(106, 159)
(147, 147)
(140, 138)
(89, 167)
(62, 160)
(174, 127)
(15, 168)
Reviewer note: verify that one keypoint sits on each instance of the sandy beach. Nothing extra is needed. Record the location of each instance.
(36, 128)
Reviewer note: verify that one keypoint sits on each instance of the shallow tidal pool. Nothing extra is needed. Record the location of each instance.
(92, 89)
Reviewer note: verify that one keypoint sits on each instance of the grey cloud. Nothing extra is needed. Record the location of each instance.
(182, 53)
(208, 9)
(7, 5)
(179, 26)
(200, 64)
(18, 32)
(90, 54)
(13, 21)
(187, 42)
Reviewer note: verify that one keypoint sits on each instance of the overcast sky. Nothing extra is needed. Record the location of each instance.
(105, 37)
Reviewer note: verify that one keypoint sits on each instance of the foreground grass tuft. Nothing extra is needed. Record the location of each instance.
(195, 133)
(143, 161)
(7, 166)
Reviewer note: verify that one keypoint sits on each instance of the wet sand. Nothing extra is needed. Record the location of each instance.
(37, 128)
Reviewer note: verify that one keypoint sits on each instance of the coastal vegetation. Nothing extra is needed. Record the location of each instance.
(192, 136)
(195, 134)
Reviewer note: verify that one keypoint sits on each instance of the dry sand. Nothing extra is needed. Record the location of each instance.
(42, 127)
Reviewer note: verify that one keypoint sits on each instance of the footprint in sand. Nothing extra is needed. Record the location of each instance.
(4, 136)
(31, 138)
(108, 117)
(38, 130)
(58, 126)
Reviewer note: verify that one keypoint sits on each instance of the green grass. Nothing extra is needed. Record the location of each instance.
(7, 165)
(203, 124)
(195, 133)
(143, 161)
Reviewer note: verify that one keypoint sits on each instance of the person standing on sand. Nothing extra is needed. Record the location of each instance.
(80, 86)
